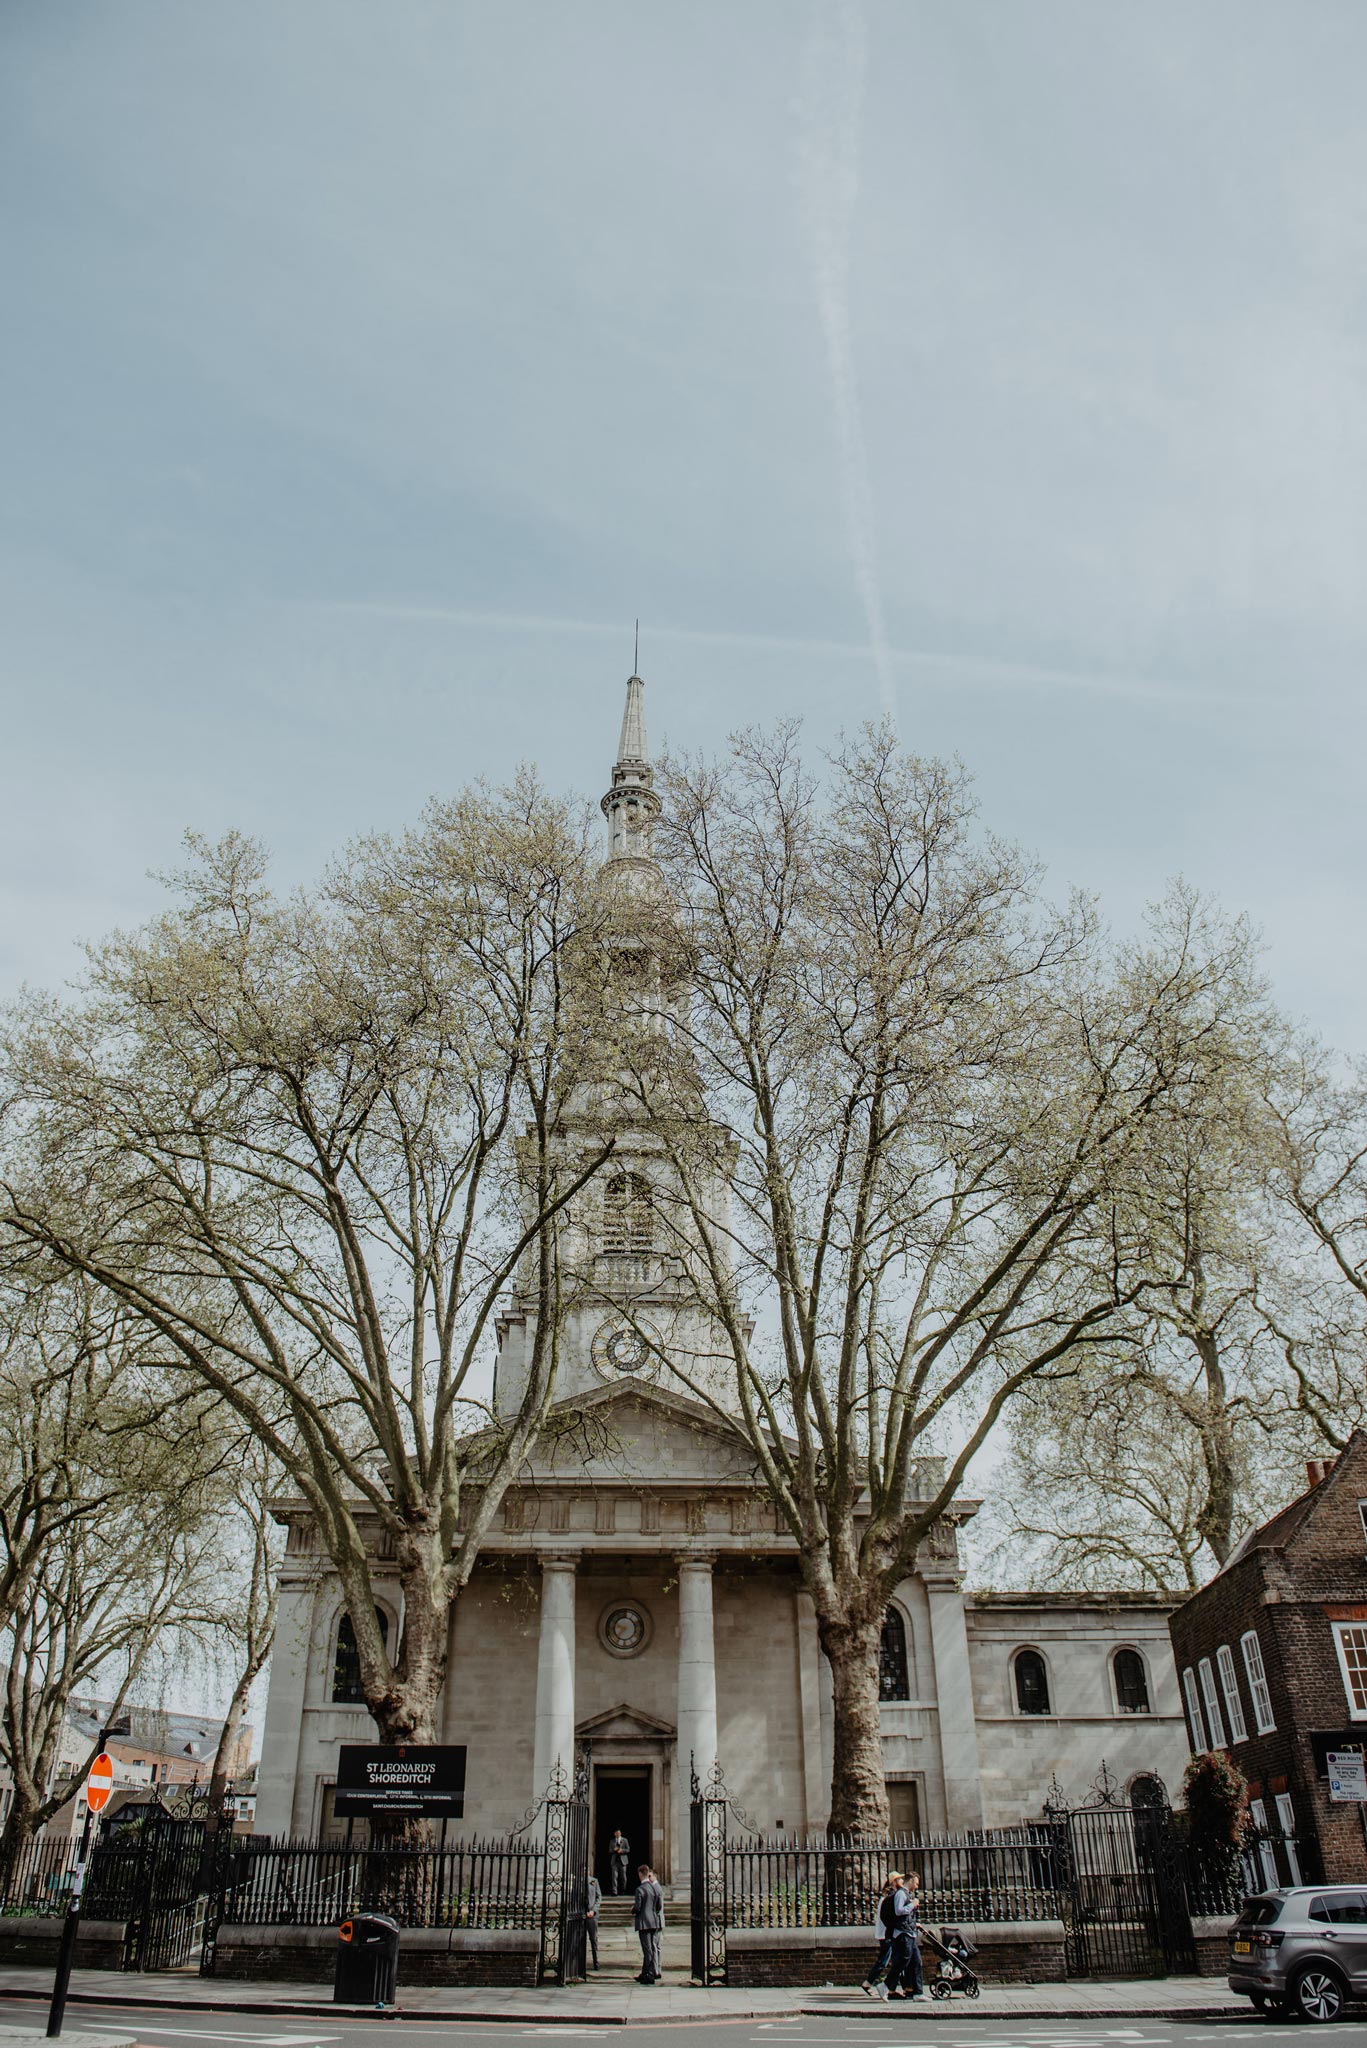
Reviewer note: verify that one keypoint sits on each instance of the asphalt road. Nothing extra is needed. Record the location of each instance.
(122, 2024)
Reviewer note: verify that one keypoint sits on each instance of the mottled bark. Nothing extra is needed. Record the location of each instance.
(859, 1796)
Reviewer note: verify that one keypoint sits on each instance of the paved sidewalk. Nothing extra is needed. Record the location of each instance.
(617, 2003)
(36, 2037)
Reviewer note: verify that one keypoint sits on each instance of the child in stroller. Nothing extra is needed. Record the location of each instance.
(955, 1951)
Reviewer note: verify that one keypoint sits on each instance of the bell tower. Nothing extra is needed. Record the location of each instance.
(628, 1240)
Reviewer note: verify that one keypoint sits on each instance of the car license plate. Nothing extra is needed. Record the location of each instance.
(1243, 1948)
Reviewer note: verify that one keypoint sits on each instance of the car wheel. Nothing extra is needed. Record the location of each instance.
(1315, 1993)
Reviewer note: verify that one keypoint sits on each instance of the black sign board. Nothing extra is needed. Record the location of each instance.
(1344, 1739)
(406, 1778)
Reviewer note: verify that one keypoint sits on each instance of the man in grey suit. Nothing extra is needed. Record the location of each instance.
(648, 1918)
(592, 1901)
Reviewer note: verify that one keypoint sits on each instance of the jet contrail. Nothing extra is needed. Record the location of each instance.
(828, 182)
(935, 664)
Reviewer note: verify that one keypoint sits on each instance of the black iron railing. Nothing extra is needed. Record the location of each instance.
(37, 1878)
(494, 1883)
(1002, 1874)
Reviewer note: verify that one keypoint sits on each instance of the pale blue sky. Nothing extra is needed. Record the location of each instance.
(366, 369)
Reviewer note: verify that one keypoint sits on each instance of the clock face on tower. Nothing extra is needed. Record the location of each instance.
(623, 1350)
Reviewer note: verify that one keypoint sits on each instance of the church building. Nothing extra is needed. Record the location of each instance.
(639, 1594)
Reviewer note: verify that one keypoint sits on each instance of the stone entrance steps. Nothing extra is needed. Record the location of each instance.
(617, 1912)
(619, 1951)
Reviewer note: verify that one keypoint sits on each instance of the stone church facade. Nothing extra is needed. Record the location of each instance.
(639, 1594)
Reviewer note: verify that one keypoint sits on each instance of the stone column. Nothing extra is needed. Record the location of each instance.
(816, 1770)
(554, 1740)
(450, 1706)
(281, 1801)
(697, 1716)
(957, 1712)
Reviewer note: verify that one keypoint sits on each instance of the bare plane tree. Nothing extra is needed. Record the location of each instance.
(924, 1087)
(107, 1590)
(307, 1141)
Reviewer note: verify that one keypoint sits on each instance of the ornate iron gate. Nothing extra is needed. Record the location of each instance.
(166, 1896)
(1129, 1913)
(565, 1876)
(709, 1806)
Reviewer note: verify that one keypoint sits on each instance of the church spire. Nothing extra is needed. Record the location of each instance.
(633, 747)
(631, 805)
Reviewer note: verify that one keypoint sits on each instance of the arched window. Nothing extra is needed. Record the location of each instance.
(628, 1218)
(346, 1664)
(1032, 1683)
(892, 1658)
(1148, 1793)
(1131, 1682)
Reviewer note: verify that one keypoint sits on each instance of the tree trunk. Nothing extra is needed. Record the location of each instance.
(859, 1794)
(405, 1709)
(21, 1825)
(232, 1722)
(1215, 1522)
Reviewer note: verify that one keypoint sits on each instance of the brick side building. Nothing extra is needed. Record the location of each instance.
(1272, 1661)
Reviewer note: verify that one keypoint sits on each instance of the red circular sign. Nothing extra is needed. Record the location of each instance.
(100, 1783)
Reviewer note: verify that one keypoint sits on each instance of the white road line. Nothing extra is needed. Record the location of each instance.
(261, 2040)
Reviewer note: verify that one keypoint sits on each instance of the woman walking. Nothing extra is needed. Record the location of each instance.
(884, 1933)
(899, 1946)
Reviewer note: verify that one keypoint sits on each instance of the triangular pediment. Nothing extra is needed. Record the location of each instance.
(624, 1723)
(633, 1431)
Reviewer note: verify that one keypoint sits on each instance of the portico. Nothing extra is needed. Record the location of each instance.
(626, 1629)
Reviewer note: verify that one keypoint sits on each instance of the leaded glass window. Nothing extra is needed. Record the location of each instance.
(892, 1658)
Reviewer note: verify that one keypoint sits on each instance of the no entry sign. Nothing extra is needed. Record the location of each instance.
(99, 1784)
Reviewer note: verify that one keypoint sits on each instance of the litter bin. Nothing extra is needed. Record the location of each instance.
(367, 1960)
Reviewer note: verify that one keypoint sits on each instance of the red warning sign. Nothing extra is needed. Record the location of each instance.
(99, 1784)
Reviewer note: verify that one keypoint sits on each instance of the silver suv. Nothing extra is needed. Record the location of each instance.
(1302, 1950)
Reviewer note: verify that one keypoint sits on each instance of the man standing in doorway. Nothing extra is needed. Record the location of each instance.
(619, 1849)
(648, 1918)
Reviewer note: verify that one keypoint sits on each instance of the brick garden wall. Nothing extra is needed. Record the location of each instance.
(427, 1955)
(1009, 1952)
(34, 1938)
(1212, 1945)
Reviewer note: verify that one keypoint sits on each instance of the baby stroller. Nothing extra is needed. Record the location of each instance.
(955, 1951)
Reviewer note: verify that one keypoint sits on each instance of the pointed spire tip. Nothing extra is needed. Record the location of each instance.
(633, 745)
